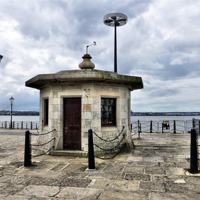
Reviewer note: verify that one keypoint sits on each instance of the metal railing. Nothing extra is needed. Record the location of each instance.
(161, 126)
(19, 125)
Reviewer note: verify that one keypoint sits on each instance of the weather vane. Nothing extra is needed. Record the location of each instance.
(94, 44)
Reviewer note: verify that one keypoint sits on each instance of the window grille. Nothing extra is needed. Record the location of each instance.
(108, 111)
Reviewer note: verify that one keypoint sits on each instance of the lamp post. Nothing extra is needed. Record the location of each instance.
(11, 107)
(115, 19)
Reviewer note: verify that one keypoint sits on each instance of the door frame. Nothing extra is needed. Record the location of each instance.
(63, 116)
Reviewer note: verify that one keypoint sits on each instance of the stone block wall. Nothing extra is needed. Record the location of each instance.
(91, 95)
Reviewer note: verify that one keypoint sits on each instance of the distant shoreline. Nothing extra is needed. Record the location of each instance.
(165, 113)
(19, 113)
(35, 113)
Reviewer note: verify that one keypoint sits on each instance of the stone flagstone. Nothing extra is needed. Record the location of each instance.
(78, 193)
(39, 191)
(143, 174)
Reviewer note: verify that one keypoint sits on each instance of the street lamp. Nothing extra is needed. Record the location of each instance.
(11, 106)
(115, 19)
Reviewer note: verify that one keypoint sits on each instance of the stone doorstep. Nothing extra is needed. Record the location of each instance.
(69, 153)
(75, 153)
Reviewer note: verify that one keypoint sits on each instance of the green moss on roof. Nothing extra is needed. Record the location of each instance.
(84, 76)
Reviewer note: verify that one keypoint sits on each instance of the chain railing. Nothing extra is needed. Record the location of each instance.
(116, 149)
(161, 126)
(28, 146)
(115, 143)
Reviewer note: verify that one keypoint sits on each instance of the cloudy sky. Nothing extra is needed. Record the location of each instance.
(160, 43)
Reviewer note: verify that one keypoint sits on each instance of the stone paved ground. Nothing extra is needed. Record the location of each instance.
(156, 169)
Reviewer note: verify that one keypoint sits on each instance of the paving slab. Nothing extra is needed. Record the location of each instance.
(117, 195)
(165, 178)
(39, 191)
(153, 159)
(133, 176)
(15, 197)
(134, 158)
(175, 171)
(133, 169)
(78, 193)
(152, 186)
(181, 188)
(156, 169)
(174, 196)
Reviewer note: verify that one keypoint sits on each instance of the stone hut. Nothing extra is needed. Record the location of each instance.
(73, 101)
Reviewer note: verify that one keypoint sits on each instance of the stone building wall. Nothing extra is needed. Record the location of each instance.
(91, 95)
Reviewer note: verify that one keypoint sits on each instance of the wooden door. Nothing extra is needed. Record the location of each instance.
(72, 124)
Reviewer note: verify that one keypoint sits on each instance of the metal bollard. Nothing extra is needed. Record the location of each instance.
(27, 150)
(140, 130)
(151, 126)
(193, 153)
(91, 160)
(138, 126)
(174, 126)
(193, 123)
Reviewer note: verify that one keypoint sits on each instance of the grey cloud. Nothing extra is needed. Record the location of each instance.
(162, 92)
(160, 42)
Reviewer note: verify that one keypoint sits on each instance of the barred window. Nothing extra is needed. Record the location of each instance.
(108, 112)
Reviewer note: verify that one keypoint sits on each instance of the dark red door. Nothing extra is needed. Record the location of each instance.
(72, 124)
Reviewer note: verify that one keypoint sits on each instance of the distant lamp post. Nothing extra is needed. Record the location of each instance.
(115, 19)
(11, 107)
(1, 57)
